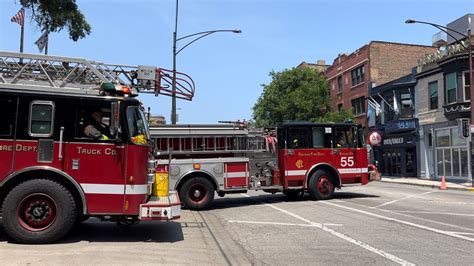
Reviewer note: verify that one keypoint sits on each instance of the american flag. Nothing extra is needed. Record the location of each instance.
(19, 17)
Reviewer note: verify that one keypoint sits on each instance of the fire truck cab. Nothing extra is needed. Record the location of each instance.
(74, 144)
(295, 158)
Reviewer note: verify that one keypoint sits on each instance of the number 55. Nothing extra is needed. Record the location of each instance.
(347, 161)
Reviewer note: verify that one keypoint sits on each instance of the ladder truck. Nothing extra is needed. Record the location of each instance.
(74, 144)
(297, 157)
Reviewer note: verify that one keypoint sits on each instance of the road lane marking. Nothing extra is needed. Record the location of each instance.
(400, 221)
(439, 213)
(340, 235)
(461, 233)
(411, 216)
(276, 223)
(402, 199)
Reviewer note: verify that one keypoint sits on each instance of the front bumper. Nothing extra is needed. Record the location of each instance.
(163, 208)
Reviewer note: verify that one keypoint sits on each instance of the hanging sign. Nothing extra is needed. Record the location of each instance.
(375, 138)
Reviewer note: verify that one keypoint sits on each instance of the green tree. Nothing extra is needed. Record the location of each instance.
(297, 94)
(54, 15)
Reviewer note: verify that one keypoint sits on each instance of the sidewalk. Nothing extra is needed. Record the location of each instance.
(466, 186)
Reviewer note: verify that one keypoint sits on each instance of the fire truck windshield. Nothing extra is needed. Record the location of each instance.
(137, 126)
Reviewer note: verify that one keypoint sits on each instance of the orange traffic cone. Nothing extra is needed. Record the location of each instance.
(443, 184)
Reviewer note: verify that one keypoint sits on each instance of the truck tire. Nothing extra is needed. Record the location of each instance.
(321, 186)
(38, 211)
(197, 193)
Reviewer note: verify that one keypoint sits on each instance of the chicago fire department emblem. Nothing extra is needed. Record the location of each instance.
(299, 163)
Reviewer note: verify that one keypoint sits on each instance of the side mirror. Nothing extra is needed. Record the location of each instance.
(115, 119)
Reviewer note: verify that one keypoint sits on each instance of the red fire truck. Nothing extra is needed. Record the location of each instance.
(295, 158)
(74, 143)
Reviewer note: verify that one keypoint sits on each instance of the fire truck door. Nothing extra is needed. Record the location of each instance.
(97, 164)
(8, 109)
(344, 150)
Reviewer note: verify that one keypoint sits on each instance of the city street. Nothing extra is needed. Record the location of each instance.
(383, 224)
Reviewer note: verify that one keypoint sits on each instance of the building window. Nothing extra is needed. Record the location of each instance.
(358, 106)
(339, 107)
(467, 87)
(339, 85)
(433, 94)
(406, 106)
(451, 88)
(357, 75)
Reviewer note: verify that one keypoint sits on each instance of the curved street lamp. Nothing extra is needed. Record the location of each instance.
(469, 48)
(198, 36)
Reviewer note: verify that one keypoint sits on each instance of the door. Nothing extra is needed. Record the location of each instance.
(98, 164)
(8, 109)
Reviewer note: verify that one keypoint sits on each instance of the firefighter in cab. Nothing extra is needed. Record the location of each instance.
(96, 128)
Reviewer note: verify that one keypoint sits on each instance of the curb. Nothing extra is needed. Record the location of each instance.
(470, 189)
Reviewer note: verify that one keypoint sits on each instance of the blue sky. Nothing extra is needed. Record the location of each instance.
(228, 69)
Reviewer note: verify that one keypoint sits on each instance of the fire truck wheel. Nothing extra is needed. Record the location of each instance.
(197, 193)
(320, 185)
(38, 211)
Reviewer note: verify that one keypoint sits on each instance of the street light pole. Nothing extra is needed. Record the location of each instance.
(173, 84)
(472, 99)
(199, 35)
(471, 87)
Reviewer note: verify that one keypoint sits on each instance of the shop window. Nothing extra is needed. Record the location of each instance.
(433, 94)
(41, 119)
(451, 88)
(442, 138)
(358, 75)
(8, 111)
(451, 153)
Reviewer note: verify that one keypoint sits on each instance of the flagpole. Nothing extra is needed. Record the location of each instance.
(22, 35)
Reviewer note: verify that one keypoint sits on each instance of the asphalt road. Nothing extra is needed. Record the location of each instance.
(383, 224)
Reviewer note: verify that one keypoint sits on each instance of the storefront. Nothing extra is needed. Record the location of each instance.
(446, 152)
(396, 156)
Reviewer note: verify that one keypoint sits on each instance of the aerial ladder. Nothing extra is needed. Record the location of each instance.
(76, 75)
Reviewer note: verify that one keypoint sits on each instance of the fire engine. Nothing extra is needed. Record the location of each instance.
(295, 158)
(74, 144)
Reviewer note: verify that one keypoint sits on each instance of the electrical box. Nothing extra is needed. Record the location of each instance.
(146, 76)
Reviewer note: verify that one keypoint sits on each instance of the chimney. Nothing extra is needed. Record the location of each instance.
(321, 62)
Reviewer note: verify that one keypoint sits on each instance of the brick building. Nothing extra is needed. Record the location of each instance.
(352, 75)
(320, 65)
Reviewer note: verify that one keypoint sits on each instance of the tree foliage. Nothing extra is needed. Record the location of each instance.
(54, 15)
(300, 94)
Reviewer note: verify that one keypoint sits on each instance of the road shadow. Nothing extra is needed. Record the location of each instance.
(225, 203)
(94, 230)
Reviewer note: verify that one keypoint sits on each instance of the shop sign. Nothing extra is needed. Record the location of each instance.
(401, 125)
(375, 138)
(441, 54)
(393, 141)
